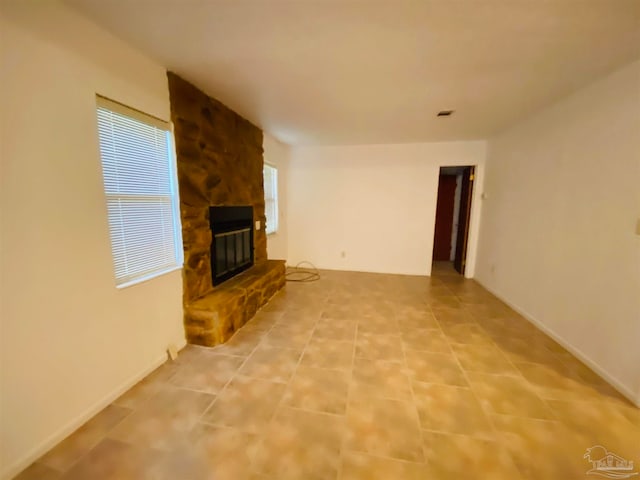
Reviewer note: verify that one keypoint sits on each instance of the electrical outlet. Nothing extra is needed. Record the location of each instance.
(343, 254)
(257, 224)
(638, 227)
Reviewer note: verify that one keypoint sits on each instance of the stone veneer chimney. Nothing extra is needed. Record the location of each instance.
(219, 159)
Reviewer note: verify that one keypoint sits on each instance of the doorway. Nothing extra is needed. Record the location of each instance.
(453, 212)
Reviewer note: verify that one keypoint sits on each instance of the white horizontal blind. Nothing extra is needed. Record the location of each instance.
(139, 184)
(270, 175)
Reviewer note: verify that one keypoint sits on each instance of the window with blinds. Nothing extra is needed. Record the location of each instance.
(140, 188)
(270, 175)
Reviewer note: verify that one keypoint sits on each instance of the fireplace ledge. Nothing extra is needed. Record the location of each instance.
(213, 318)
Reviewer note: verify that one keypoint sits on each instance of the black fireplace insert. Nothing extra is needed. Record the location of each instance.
(232, 241)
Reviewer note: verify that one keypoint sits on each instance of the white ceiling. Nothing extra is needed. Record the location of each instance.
(378, 71)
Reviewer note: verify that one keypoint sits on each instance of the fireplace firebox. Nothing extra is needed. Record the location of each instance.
(232, 241)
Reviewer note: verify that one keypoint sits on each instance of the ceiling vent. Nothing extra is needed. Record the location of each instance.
(445, 113)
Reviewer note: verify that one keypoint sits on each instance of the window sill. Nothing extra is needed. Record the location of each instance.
(148, 277)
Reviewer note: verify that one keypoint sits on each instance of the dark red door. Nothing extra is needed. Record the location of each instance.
(444, 218)
(460, 259)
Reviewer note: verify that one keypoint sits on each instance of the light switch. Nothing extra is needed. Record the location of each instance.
(257, 224)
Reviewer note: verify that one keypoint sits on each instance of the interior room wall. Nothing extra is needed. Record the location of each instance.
(372, 207)
(70, 341)
(558, 238)
(277, 154)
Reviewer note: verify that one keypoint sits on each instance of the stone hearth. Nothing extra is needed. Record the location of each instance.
(219, 163)
(214, 318)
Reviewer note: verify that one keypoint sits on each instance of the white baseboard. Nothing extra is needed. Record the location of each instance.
(53, 439)
(601, 371)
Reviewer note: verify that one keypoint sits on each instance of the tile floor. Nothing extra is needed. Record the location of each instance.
(361, 376)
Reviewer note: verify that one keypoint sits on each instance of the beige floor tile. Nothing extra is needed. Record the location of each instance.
(509, 395)
(434, 368)
(450, 409)
(301, 445)
(210, 452)
(550, 343)
(262, 322)
(452, 316)
(328, 353)
(376, 346)
(426, 340)
(388, 428)
(164, 420)
(470, 334)
(302, 319)
(348, 311)
(246, 403)
(336, 330)
(555, 383)
(511, 325)
(242, 343)
(602, 424)
(38, 471)
(626, 409)
(378, 325)
(416, 319)
(380, 378)
(360, 466)
(148, 387)
(271, 363)
(284, 336)
(114, 460)
(530, 440)
(355, 376)
(66, 453)
(579, 371)
(484, 358)
(445, 301)
(453, 457)
(487, 311)
(208, 373)
(189, 354)
(318, 389)
(522, 349)
(196, 465)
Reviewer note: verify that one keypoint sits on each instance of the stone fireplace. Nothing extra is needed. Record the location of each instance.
(219, 163)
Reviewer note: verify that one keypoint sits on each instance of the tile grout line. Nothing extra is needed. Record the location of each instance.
(235, 373)
(341, 451)
(415, 404)
(499, 437)
(106, 433)
(280, 403)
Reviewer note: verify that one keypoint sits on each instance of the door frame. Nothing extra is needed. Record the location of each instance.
(464, 217)
(474, 217)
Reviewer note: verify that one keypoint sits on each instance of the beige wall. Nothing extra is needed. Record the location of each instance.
(277, 154)
(70, 341)
(558, 235)
(375, 203)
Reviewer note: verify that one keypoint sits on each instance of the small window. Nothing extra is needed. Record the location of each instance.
(140, 187)
(270, 174)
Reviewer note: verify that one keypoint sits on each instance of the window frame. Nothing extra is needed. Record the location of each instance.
(142, 197)
(275, 199)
